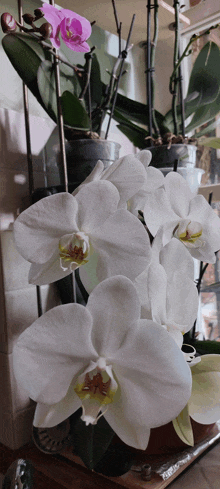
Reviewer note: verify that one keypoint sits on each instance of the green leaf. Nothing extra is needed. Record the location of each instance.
(205, 75)
(74, 115)
(95, 82)
(204, 114)
(210, 142)
(91, 442)
(24, 58)
(138, 112)
(209, 128)
(183, 427)
(135, 134)
(206, 347)
(47, 85)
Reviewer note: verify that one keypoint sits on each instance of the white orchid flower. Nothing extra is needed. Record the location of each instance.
(104, 358)
(189, 219)
(154, 180)
(166, 289)
(204, 403)
(127, 174)
(131, 176)
(61, 233)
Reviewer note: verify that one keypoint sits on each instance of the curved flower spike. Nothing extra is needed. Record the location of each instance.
(104, 358)
(189, 219)
(61, 233)
(74, 29)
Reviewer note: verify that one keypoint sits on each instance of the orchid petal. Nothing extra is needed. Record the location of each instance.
(183, 427)
(88, 273)
(115, 300)
(133, 434)
(155, 179)
(157, 289)
(82, 47)
(47, 272)
(126, 243)
(157, 210)
(144, 156)
(204, 403)
(175, 333)
(52, 14)
(96, 202)
(156, 384)
(174, 257)
(92, 177)
(141, 285)
(128, 175)
(178, 193)
(182, 302)
(47, 416)
(47, 357)
(86, 26)
(38, 229)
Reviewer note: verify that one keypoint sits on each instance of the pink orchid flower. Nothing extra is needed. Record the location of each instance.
(74, 29)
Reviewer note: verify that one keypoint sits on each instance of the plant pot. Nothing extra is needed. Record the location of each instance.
(83, 154)
(164, 156)
(193, 176)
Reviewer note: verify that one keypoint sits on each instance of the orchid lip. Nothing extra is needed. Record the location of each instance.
(189, 234)
(73, 250)
(96, 388)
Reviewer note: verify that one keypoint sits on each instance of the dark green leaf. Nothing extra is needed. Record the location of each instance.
(23, 57)
(135, 134)
(204, 114)
(205, 75)
(209, 128)
(138, 112)
(91, 442)
(205, 347)
(95, 82)
(47, 85)
(74, 115)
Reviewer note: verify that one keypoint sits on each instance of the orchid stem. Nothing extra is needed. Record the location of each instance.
(152, 65)
(121, 59)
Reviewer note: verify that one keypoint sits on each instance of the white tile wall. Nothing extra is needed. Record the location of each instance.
(18, 304)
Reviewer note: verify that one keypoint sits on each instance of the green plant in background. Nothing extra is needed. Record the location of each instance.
(85, 99)
(202, 103)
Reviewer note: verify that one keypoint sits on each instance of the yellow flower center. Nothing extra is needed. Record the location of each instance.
(189, 233)
(73, 250)
(96, 386)
(191, 238)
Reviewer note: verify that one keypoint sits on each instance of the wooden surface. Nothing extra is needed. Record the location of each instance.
(67, 471)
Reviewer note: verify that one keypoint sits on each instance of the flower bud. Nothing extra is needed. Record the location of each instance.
(28, 18)
(45, 30)
(38, 13)
(8, 23)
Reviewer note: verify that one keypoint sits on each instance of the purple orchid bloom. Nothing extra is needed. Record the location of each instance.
(74, 29)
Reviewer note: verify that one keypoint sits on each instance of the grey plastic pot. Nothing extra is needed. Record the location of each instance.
(163, 156)
(83, 154)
